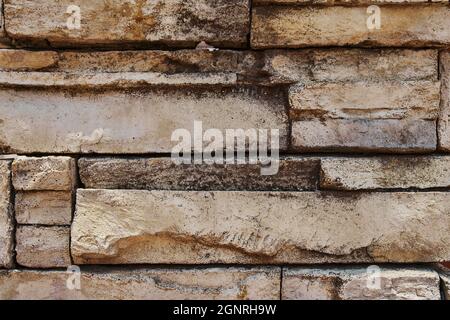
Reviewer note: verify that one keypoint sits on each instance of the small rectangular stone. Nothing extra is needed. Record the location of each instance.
(296, 27)
(131, 121)
(127, 23)
(354, 283)
(164, 174)
(23, 60)
(444, 117)
(44, 173)
(363, 100)
(44, 207)
(6, 217)
(361, 135)
(400, 172)
(43, 247)
(187, 227)
(144, 284)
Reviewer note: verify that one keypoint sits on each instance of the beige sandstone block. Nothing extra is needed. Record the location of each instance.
(44, 173)
(360, 284)
(296, 27)
(361, 135)
(421, 172)
(129, 227)
(44, 207)
(180, 23)
(362, 100)
(444, 118)
(144, 284)
(23, 60)
(343, 2)
(6, 217)
(163, 173)
(132, 121)
(43, 247)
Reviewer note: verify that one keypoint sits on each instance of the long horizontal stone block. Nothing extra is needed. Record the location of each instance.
(362, 100)
(385, 283)
(6, 216)
(132, 121)
(296, 27)
(142, 284)
(174, 23)
(343, 2)
(361, 135)
(23, 60)
(421, 172)
(163, 173)
(444, 117)
(133, 227)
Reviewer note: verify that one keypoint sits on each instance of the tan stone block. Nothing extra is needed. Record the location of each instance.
(44, 173)
(6, 218)
(44, 207)
(144, 284)
(157, 227)
(43, 247)
(23, 60)
(389, 283)
(444, 117)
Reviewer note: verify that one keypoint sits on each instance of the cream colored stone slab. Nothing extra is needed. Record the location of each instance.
(44, 207)
(44, 173)
(444, 118)
(132, 121)
(179, 23)
(128, 227)
(27, 60)
(6, 218)
(361, 135)
(362, 100)
(296, 27)
(43, 247)
(144, 284)
(421, 172)
(389, 283)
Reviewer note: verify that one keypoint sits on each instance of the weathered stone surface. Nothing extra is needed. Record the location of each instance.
(2, 24)
(164, 174)
(445, 282)
(44, 207)
(45, 173)
(360, 284)
(125, 226)
(144, 284)
(444, 118)
(6, 219)
(362, 100)
(374, 64)
(43, 247)
(182, 23)
(133, 121)
(385, 173)
(360, 135)
(27, 60)
(296, 27)
(343, 2)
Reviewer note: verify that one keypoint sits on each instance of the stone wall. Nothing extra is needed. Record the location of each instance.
(89, 194)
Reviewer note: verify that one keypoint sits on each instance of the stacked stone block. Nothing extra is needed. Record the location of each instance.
(87, 182)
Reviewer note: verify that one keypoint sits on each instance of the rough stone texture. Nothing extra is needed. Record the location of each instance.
(6, 219)
(444, 119)
(445, 282)
(45, 173)
(139, 121)
(361, 135)
(23, 60)
(124, 226)
(343, 2)
(163, 173)
(296, 27)
(180, 23)
(357, 284)
(2, 24)
(43, 247)
(385, 173)
(145, 284)
(44, 207)
(362, 100)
